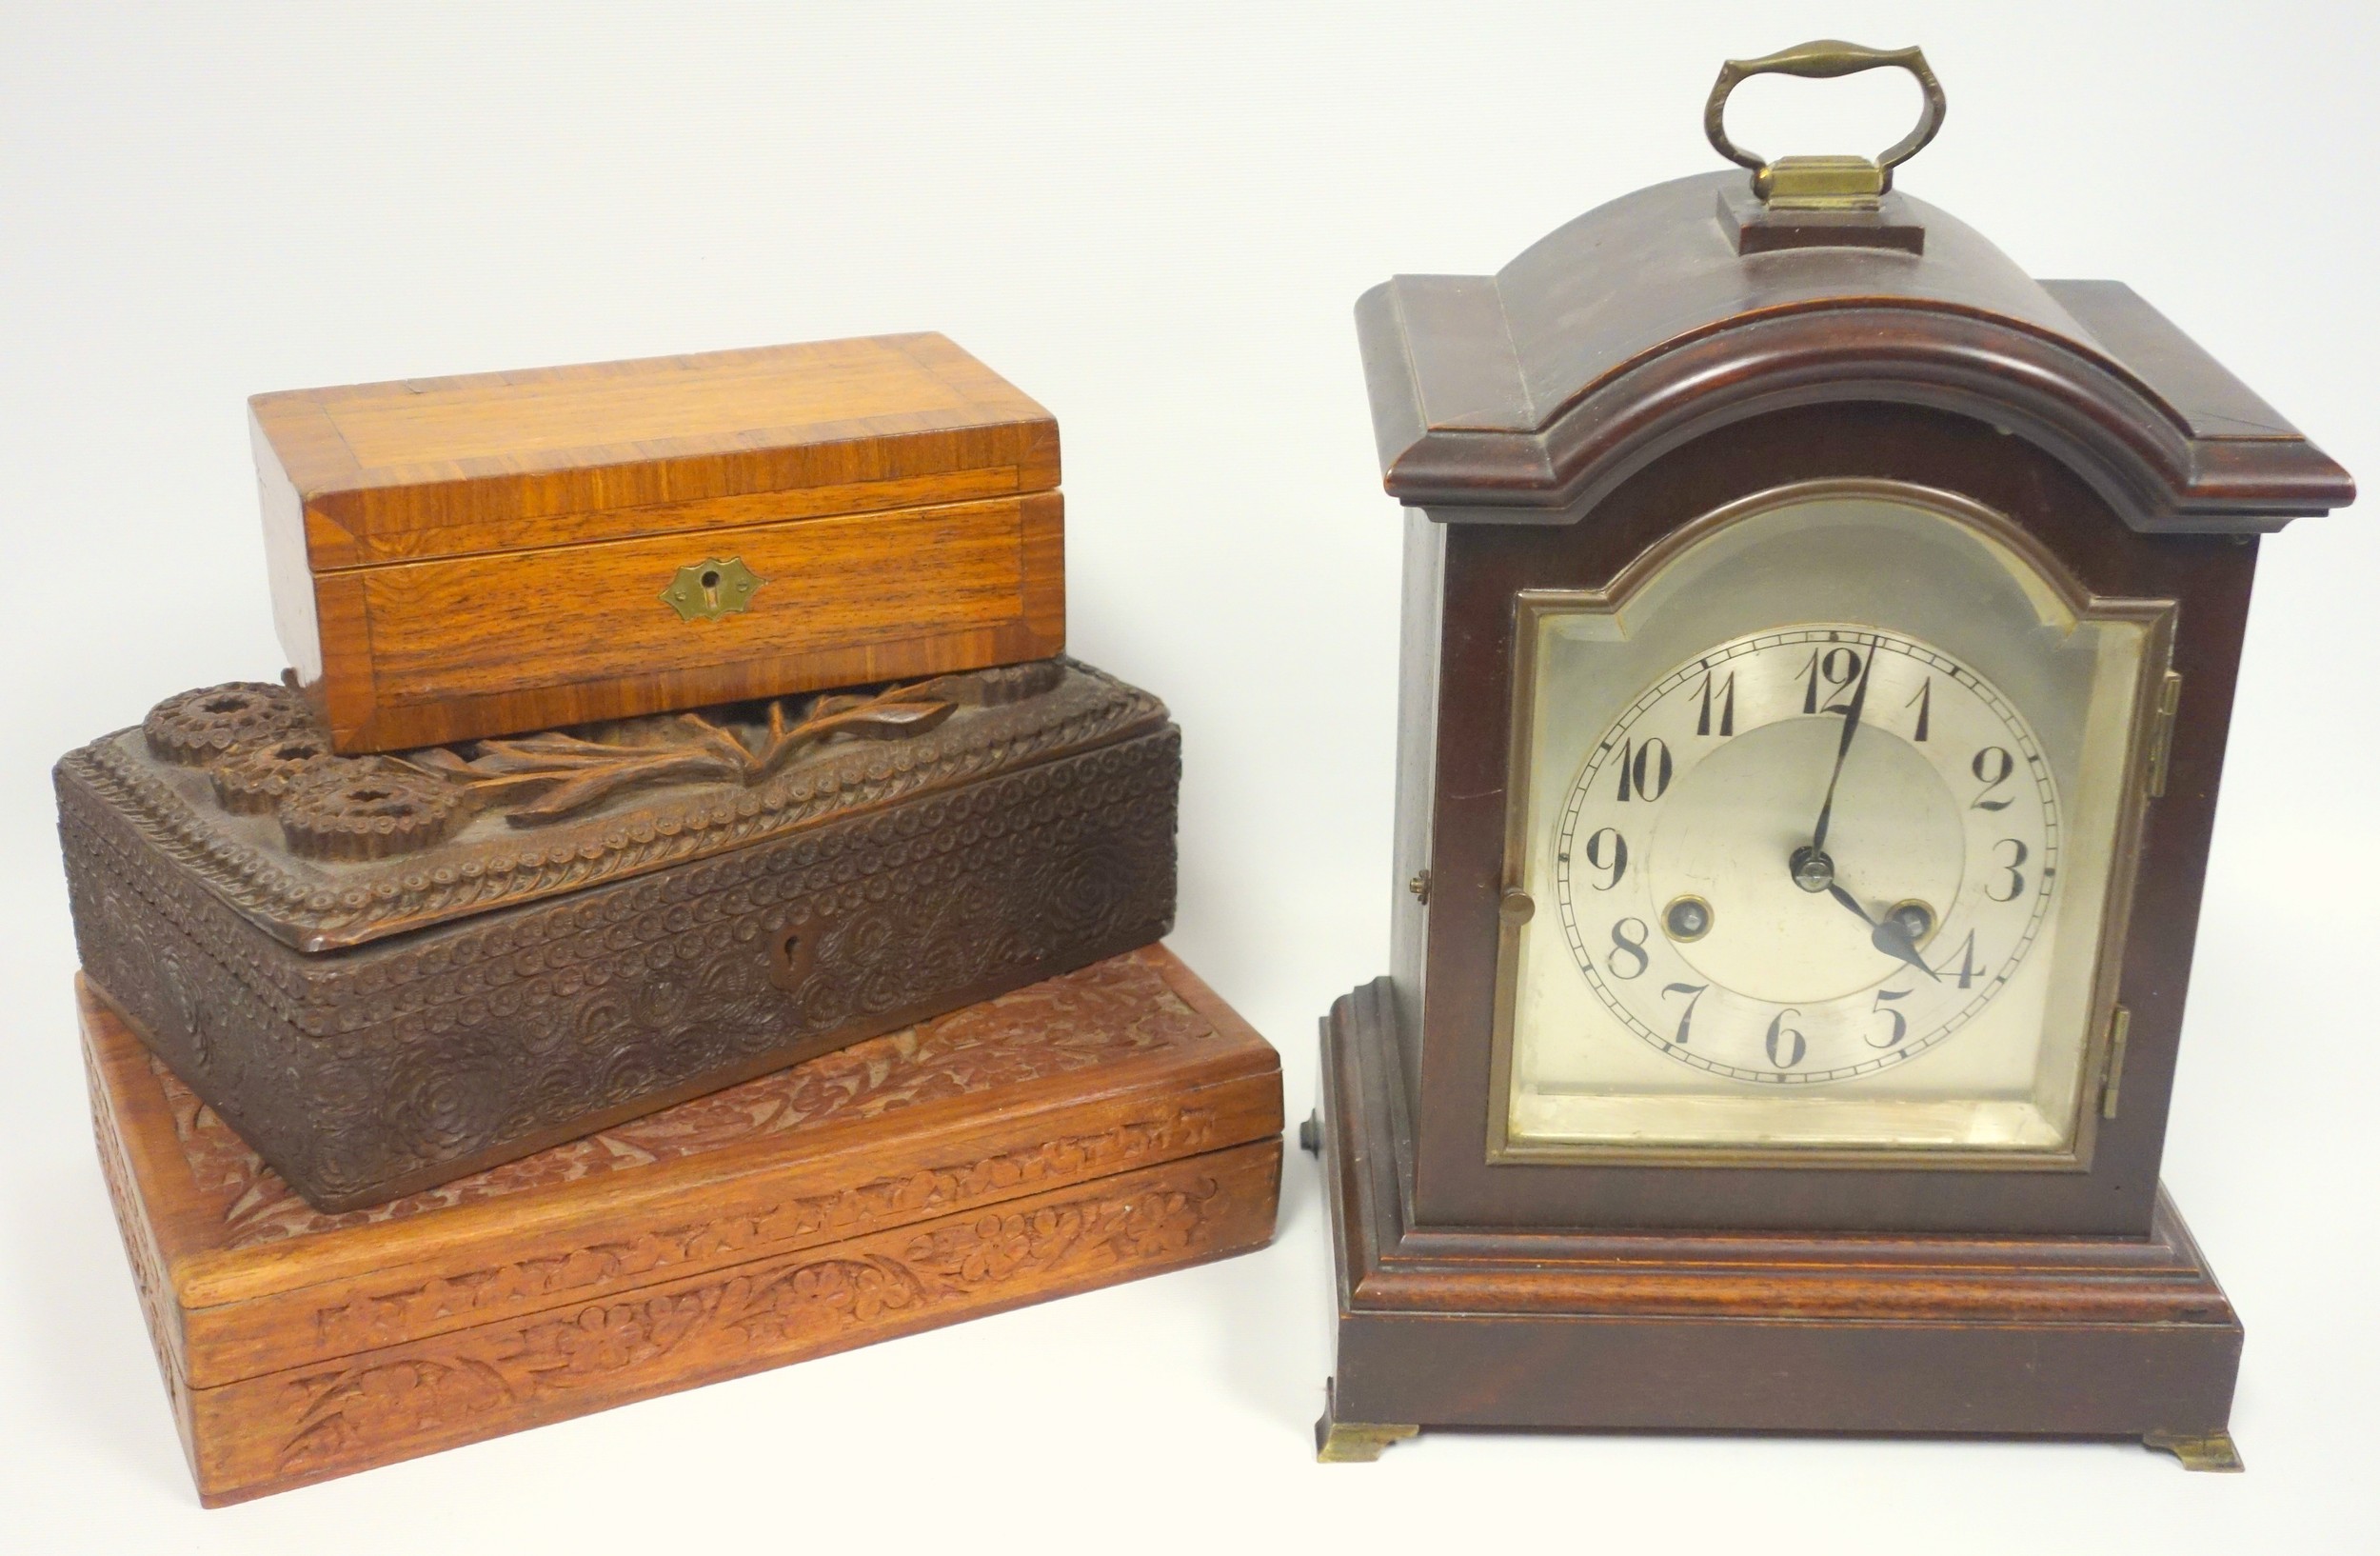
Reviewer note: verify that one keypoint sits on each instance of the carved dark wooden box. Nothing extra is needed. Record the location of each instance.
(386, 972)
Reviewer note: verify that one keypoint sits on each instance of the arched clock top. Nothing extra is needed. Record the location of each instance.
(1526, 397)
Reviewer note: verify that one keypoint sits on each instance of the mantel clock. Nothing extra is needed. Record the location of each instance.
(1819, 639)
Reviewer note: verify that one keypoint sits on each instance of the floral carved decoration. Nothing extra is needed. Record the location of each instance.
(789, 1306)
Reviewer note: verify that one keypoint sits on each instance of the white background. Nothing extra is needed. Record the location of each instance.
(1157, 221)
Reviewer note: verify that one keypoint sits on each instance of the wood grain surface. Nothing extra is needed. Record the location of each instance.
(1622, 1330)
(1111, 1123)
(469, 556)
(468, 627)
(552, 456)
(1527, 396)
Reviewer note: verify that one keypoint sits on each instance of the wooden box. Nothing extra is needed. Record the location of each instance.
(386, 973)
(469, 556)
(1110, 1123)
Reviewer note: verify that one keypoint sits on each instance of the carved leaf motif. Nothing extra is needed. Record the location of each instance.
(569, 773)
(386, 1317)
(367, 1406)
(378, 1403)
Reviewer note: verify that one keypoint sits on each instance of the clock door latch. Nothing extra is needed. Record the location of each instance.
(2119, 1033)
(2161, 734)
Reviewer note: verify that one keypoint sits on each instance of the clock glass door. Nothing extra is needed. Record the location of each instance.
(1821, 842)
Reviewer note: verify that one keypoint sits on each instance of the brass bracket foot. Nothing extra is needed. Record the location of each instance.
(1337, 1442)
(2204, 1450)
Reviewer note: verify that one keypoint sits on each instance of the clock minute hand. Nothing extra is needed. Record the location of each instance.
(1842, 750)
(1887, 934)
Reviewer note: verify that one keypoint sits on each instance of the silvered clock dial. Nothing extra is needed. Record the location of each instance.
(1815, 847)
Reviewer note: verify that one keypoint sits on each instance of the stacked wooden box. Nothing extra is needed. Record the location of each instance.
(653, 728)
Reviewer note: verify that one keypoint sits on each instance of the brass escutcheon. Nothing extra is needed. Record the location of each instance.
(712, 587)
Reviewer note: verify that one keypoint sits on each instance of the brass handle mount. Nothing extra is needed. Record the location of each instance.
(1824, 183)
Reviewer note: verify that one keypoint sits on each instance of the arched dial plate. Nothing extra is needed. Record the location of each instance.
(1828, 808)
(1675, 848)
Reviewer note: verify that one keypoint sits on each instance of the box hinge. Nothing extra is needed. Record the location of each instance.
(2120, 1031)
(2161, 732)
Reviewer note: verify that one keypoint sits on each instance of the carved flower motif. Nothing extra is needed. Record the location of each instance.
(252, 781)
(1000, 1245)
(366, 810)
(200, 727)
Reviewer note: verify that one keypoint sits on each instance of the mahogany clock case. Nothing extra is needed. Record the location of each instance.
(389, 972)
(1546, 427)
(2143, 468)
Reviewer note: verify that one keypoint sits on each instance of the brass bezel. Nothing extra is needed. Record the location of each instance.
(1933, 919)
(2156, 617)
(1709, 916)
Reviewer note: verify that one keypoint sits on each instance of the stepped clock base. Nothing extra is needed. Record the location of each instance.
(1714, 1331)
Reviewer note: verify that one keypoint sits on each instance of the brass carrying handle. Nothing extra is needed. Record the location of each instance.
(1823, 59)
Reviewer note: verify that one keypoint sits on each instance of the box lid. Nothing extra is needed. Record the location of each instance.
(505, 461)
(236, 785)
(1123, 1064)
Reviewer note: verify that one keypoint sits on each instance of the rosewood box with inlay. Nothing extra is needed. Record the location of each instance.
(389, 971)
(469, 556)
(1112, 1123)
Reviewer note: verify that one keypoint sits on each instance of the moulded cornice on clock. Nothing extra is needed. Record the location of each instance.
(1527, 396)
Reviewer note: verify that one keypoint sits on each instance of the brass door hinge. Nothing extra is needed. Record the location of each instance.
(2120, 1031)
(2161, 732)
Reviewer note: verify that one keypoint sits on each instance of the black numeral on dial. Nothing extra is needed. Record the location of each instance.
(1968, 970)
(1839, 669)
(1647, 767)
(1725, 691)
(1607, 851)
(1900, 1023)
(2016, 883)
(1633, 949)
(1992, 767)
(1694, 997)
(1786, 1045)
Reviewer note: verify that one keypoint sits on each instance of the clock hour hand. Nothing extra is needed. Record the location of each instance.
(1842, 750)
(1887, 934)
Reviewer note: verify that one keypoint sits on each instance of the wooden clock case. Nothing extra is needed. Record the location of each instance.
(1546, 426)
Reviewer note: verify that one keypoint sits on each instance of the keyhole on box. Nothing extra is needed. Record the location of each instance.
(790, 956)
(710, 588)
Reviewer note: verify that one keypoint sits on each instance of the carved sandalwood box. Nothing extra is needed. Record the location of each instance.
(1108, 1124)
(386, 972)
(471, 556)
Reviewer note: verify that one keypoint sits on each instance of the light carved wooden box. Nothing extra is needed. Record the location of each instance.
(455, 557)
(1113, 1123)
